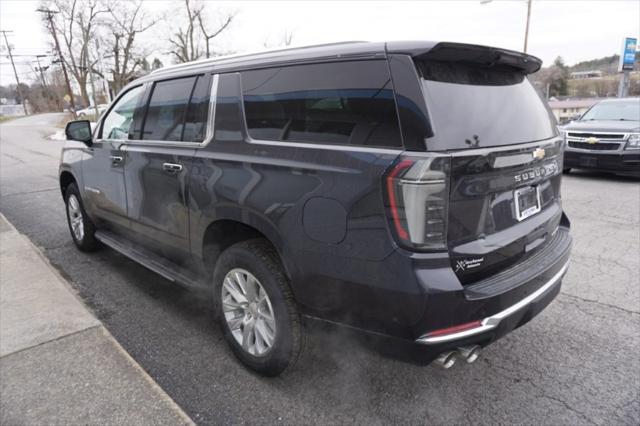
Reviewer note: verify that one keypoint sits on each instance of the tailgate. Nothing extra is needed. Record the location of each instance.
(504, 206)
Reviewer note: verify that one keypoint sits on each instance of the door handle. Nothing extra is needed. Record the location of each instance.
(172, 168)
(116, 160)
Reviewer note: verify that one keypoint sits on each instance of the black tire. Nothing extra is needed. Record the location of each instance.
(88, 240)
(566, 170)
(260, 259)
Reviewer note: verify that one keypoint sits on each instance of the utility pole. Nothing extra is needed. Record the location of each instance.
(526, 31)
(50, 95)
(22, 99)
(44, 82)
(50, 14)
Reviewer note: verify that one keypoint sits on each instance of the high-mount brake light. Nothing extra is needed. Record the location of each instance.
(417, 201)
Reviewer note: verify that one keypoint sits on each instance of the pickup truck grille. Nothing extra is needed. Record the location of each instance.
(595, 146)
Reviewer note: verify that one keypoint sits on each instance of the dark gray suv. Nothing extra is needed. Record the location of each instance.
(606, 138)
(409, 190)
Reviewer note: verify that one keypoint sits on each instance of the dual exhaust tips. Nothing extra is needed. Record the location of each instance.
(469, 354)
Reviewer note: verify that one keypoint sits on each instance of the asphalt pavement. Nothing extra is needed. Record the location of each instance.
(576, 363)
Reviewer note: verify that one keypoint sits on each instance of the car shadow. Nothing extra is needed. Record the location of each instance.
(601, 176)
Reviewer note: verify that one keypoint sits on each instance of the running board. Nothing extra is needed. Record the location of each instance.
(150, 260)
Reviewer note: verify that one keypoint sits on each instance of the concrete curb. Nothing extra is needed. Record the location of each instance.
(54, 350)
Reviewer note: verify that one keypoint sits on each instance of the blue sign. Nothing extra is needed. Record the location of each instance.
(628, 55)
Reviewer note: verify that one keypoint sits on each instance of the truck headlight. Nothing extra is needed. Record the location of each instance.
(633, 142)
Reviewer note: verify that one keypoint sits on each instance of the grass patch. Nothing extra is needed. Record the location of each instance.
(5, 118)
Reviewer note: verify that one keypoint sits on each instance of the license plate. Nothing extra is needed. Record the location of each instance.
(527, 201)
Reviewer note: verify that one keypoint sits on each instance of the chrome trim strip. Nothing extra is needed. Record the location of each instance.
(352, 148)
(512, 160)
(544, 143)
(493, 321)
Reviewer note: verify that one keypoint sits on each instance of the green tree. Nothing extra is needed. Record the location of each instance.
(553, 79)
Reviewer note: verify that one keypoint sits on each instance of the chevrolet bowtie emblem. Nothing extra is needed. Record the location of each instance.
(591, 140)
(539, 154)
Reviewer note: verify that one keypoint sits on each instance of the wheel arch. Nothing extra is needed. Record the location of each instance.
(227, 230)
(66, 178)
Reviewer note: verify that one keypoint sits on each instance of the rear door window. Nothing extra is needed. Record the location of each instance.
(167, 108)
(476, 106)
(346, 103)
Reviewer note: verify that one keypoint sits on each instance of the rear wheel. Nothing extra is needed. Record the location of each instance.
(255, 308)
(81, 228)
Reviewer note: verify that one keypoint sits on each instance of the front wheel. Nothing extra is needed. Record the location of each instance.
(81, 228)
(256, 309)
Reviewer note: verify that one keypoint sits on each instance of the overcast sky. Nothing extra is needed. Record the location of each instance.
(574, 29)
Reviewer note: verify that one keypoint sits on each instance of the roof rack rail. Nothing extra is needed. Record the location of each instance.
(199, 62)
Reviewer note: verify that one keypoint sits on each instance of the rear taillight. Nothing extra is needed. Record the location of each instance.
(417, 194)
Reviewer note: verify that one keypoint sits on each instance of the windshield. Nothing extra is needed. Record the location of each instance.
(473, 106)
(619, 111)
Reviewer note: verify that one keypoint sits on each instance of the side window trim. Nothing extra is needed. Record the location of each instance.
(210, 118)
(309, 145)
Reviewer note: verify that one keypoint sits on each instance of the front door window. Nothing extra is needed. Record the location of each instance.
(118, 122)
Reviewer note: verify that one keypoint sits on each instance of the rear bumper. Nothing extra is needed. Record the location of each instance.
(525, 306)
(500, 303)
(495, 306)
(620, 162)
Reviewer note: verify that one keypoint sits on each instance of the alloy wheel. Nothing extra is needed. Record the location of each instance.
(75, 217)
(248, 312)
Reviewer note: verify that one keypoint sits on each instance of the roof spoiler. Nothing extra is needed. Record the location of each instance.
(488, 56)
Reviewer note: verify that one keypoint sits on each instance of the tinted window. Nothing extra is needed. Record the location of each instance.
(166, 109)
(475, 106)
(228, 124)
(118, 123)
(195, 124)
(338, 103)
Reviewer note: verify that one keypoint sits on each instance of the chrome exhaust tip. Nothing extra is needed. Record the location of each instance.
(446, 360)
(469, 353)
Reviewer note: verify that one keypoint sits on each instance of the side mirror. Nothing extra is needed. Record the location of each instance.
(79, 130)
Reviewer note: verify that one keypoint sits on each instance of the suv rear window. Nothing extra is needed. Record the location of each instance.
(479, 106)
(347, 103)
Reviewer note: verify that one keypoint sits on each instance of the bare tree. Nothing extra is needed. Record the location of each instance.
(184, 47)
(287, 37)
(186, 42)
(77, 23)
(208, 36)
(127, 57)
(285, 40)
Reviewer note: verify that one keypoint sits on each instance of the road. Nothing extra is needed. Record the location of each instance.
(576, 363)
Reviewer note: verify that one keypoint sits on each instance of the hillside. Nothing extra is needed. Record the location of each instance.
(608, 64)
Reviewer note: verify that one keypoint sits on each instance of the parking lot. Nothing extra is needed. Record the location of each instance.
(576, 363)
